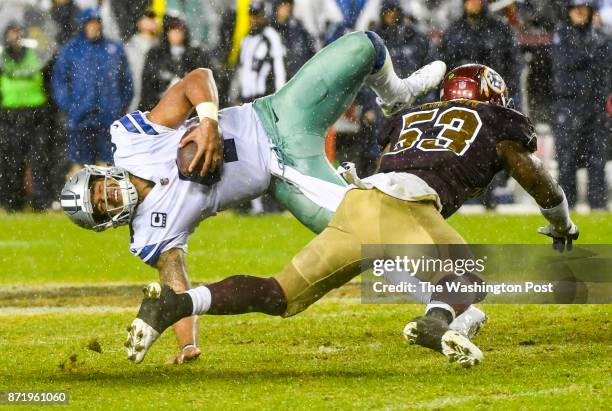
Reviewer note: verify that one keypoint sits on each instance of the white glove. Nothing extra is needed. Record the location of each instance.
(562, 240)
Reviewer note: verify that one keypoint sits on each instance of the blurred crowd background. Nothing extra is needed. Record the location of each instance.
(69, 68)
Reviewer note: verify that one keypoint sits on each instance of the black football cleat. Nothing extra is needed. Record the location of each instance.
(160, 308)
(434, 334)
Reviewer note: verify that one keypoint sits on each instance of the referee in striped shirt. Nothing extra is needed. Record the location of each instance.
(262, 58)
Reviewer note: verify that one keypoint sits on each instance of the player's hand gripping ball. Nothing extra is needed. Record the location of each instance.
(200, 153)
(186, 154)
(208, 151)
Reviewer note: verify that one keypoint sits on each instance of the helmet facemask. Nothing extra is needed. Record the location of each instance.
(120, 215)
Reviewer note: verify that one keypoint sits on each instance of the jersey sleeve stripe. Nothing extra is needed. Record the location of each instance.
(150, 253)
(129, 126)
(146, 127)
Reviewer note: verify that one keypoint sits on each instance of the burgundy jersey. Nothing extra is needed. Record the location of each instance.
(452, 146)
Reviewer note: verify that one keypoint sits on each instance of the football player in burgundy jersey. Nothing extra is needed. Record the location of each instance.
(436, 156)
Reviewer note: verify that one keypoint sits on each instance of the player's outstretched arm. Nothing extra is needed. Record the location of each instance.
(197, 90)
(173, 273)
(528, 170)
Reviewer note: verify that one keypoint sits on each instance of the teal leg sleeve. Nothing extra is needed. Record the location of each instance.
(324, 87)
(308, 213)
(297, 117)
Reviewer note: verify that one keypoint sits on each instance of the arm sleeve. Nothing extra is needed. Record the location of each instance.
(149, 254)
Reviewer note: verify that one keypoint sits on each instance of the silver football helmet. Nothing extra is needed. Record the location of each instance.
(77, 202)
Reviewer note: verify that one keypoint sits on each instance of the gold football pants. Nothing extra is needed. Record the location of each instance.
(334, 257)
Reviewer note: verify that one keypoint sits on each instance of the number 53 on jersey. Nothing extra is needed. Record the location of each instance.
(459, 127)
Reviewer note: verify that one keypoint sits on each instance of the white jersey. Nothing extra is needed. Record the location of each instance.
(174, 207)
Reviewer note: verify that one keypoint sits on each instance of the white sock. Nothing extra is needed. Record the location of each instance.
(385, 83)
(444, 306)
(201, 298)
(257, 207)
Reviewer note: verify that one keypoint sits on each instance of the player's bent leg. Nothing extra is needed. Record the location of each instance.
(303, 290)
(329, 261)
(163, 307)
(297, 117)
(421, 223)
(242, 294)
(319, 93)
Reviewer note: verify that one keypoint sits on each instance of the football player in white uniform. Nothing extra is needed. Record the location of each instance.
(275, 144)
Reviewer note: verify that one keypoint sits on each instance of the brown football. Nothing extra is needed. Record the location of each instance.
(185, 155)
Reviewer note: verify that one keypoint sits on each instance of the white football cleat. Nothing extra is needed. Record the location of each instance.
(458, 348)
(152, 290)
(419, 83)
(434, 334)
(410, 332)
(141, 337)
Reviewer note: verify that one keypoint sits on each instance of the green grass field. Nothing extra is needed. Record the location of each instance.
(64, 290)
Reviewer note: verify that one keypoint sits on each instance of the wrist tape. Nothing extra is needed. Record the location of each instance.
(558, 216)
(209, 110)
